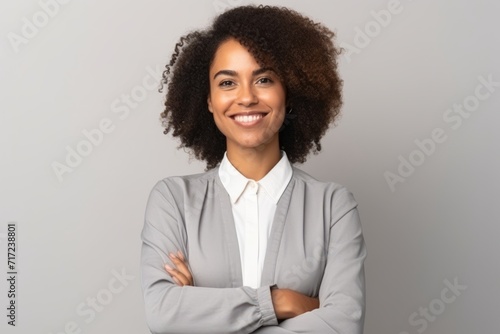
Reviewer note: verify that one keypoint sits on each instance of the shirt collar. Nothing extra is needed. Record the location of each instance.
(274, 183)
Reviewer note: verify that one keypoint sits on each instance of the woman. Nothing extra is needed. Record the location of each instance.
(254, 245)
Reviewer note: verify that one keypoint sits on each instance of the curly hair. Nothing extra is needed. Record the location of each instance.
(298, 49)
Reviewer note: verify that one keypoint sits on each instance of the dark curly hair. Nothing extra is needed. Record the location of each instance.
(299, 50)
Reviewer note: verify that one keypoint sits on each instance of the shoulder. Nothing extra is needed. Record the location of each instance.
(336, 196)
(309, 181)
(177, 185)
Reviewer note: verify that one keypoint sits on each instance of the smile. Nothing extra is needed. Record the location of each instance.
(248, 119)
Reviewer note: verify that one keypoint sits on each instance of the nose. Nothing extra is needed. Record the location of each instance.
(247, 95)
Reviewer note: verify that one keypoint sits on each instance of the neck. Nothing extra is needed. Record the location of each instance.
(254, 164)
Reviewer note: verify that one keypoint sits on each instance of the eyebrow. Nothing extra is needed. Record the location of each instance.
(232, 73)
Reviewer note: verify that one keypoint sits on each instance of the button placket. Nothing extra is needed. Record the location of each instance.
(252, 235)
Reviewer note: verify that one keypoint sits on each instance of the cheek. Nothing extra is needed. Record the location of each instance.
(218, 121)
(218, 106)
(280, 118)
(275, 98)
(220, 102)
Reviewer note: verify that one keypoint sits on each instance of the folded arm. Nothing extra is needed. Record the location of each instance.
(189, 309)
(287, 303)
(342, 291)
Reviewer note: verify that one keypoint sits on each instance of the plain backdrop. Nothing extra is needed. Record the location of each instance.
(67, 69)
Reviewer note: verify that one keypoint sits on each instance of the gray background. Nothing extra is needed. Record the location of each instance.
(440, 224)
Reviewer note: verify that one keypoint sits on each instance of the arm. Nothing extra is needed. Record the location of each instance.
(342, 290)
(287, 303)
(189, 309)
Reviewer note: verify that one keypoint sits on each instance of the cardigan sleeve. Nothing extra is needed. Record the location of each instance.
(342, 290)
(190, 309)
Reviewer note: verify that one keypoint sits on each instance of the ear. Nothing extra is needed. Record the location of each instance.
(209, 103)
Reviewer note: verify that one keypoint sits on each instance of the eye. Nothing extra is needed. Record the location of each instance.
(265, 80)
(226, 83)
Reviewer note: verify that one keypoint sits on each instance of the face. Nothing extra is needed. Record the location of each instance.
(247, 101)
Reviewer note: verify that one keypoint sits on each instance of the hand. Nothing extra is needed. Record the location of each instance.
(288, 303)
(180, 274)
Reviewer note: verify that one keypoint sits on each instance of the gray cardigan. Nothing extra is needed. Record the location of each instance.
(316, 247)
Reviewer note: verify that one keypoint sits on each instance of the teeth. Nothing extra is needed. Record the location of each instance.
(247, 118)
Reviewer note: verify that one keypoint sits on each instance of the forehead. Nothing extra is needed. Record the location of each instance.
(231, 55)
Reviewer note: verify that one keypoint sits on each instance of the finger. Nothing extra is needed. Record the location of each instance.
(171, 273)
(181, 266)
(177, 281)
(181, 271)
(177, 276)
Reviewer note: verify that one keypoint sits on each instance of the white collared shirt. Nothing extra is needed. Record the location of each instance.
(254, 204)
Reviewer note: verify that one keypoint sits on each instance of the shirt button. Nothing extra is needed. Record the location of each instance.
(253, 187)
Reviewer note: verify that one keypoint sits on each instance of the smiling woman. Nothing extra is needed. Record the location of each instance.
(253, 245)
(248, 104)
